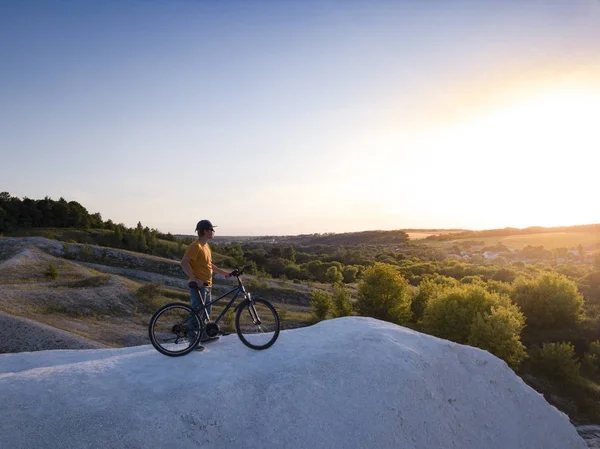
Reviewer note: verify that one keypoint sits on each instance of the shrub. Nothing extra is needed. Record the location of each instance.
(504, 275)
(451, 314)
(557, 361)
(333, 275)
(384, 294)
(428, 288)
(321, 305)
(474, 279)
(227, 322)
(503, 288)
(591, 359)
(341, 301)
(349, 272)
(499, 333)
(149, 297)
(548, 301)
(51, 272)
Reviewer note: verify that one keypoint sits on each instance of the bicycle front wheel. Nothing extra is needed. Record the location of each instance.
(257, 324)
(174, 329)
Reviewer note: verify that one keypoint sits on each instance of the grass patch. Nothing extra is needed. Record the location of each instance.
(91, 282)
(54, 307)
(150, 297)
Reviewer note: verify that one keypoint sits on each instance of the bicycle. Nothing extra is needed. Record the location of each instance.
(177, 328)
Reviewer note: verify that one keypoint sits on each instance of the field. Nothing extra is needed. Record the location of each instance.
(549, 240)
(419, 235)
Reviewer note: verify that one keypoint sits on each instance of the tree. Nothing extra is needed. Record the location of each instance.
(557, 361)
(341, 301)
(549, 301)
(289, 253)
(590, 287)
(333, 275)
(349, 273)
(499, 333)
(428, 288)
(384, 294)
(321, 305)
(504, 275)
(451, 314)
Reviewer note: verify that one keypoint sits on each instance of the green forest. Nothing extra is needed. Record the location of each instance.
(536, 308)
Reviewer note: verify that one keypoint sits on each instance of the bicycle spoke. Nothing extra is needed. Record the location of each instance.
(257, 324)
(173, 329)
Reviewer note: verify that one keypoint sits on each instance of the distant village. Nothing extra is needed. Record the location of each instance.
(477, 253)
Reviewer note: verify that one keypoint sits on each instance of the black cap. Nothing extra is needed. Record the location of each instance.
(204, 225)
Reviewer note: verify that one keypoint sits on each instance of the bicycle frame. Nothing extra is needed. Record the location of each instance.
(204, 315)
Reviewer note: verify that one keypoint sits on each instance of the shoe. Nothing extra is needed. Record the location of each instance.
(199, 348)
(225, 333)
(206, 338)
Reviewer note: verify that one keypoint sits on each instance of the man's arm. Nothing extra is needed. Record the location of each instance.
(220, 271)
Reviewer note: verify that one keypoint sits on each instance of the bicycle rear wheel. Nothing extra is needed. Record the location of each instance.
(173, 329)
(257, 323)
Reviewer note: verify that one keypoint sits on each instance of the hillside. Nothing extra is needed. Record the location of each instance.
(94, 300)
(348, 383)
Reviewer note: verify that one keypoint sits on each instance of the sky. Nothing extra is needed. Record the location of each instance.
(344, 383)
(304, 117)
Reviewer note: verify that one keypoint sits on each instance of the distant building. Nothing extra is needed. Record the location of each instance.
(491, 255)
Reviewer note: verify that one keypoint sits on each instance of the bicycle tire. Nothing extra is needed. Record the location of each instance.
(166, 337)
(257, 335)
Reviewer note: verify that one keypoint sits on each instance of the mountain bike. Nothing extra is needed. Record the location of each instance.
(177, 328)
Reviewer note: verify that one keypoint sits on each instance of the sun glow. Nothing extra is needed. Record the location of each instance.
(524, 164)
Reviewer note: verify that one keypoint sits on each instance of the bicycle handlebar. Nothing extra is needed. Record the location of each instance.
(238, 272)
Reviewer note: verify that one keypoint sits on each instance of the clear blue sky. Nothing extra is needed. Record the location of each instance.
(289, 117)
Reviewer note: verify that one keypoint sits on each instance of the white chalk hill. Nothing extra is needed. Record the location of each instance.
(345, 383)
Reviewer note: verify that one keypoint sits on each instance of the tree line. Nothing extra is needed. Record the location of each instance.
(18, 214)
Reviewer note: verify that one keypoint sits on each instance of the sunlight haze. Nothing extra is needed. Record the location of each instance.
(305, 117)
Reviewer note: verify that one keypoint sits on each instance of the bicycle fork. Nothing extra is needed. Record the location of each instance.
(252, 311)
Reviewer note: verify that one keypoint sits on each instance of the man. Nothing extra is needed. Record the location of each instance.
(197, 265)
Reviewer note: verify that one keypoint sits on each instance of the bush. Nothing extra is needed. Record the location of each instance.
(333, 275)
(499, 333)
(549, 301)
(149, 291)
(428, 288)
(51, 272)
(149, 297)
(472, 280)
(557, 361)
(591, 359)
(451, 314)
(321, 305)
(384, 294)
(349, 272)
(342, 302)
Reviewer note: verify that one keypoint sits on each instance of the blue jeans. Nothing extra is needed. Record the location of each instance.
(197, 302)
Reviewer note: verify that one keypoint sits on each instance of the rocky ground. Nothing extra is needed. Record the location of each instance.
(22, 334)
